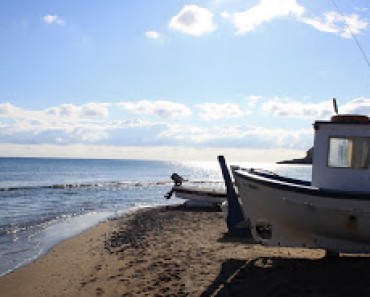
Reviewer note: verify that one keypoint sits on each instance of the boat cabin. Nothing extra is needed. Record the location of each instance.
(342, 154)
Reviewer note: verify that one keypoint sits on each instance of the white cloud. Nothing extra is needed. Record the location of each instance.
(265, 11)
(7, 109)
(252, 100)
(56, 124)
(268, 10)
(195, 134)
(90, 110)
(54, 129)
(154, 35)
(53, 19)
(239, 135)
(333, 22)
(193, 20)
(215, 111)
(325, 24)
(94, 110)
(68, 123)
(290, 108)
(314, 111)
(164, 109)
(356, 106)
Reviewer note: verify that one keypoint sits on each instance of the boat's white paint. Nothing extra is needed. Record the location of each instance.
(302, 220)
(346, 179)
(204, 195)
(333, 212)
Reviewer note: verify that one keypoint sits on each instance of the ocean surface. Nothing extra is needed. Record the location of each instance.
(44, 201)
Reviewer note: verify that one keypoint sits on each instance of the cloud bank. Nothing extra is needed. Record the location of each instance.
(164, 109)
(215, 111)
(153, 123)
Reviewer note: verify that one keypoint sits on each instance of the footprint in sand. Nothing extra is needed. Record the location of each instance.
(99, 291)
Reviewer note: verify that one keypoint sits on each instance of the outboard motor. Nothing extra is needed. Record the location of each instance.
(177, 179)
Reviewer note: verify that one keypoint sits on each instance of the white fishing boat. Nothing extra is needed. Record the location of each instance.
(332, 211)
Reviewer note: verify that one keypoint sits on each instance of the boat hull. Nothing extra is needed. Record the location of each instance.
(203, 195)
(281, 213)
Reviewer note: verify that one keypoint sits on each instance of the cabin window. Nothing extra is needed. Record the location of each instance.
(349, 152)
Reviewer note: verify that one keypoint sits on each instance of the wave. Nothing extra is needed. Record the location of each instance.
(39, 223)
(118, 184)
(84, 185)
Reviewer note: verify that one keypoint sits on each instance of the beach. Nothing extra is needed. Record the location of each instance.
(180, 251)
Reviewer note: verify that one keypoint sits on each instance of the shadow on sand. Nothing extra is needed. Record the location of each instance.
(328, 276)
(194, 208)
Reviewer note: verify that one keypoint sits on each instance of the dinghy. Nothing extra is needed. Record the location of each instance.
(197, 196)
(213, 196)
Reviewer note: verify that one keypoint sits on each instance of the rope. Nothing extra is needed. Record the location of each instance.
(353, 36)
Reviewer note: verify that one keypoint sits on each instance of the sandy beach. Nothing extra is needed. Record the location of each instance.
(179, 251)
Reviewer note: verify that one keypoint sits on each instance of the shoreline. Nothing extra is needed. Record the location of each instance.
(179, 251)
(55, 233)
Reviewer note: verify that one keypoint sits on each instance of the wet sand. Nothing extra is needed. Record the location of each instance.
(179, 251)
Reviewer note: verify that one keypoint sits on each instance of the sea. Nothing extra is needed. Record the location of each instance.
(44, 201)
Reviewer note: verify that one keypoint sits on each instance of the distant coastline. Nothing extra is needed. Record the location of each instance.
(305, 160)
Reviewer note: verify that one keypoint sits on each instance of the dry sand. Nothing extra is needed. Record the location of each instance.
(175, 251)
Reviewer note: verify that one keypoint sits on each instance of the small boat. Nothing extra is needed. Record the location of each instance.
(196, 195)
(332, 211)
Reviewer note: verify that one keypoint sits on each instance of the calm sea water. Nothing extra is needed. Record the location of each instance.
(44, 201)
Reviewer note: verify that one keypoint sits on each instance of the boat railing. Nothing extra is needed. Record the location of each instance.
(277, 177)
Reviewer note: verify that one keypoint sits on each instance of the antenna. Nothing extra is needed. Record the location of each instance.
(335, 106)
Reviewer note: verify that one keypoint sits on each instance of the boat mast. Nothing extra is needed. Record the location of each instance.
(335, 106)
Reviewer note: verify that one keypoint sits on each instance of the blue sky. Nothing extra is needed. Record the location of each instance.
(177, 79)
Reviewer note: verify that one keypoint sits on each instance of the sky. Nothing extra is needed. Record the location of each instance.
(179, 79)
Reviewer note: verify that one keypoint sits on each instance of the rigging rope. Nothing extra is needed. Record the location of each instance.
(353, 36)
